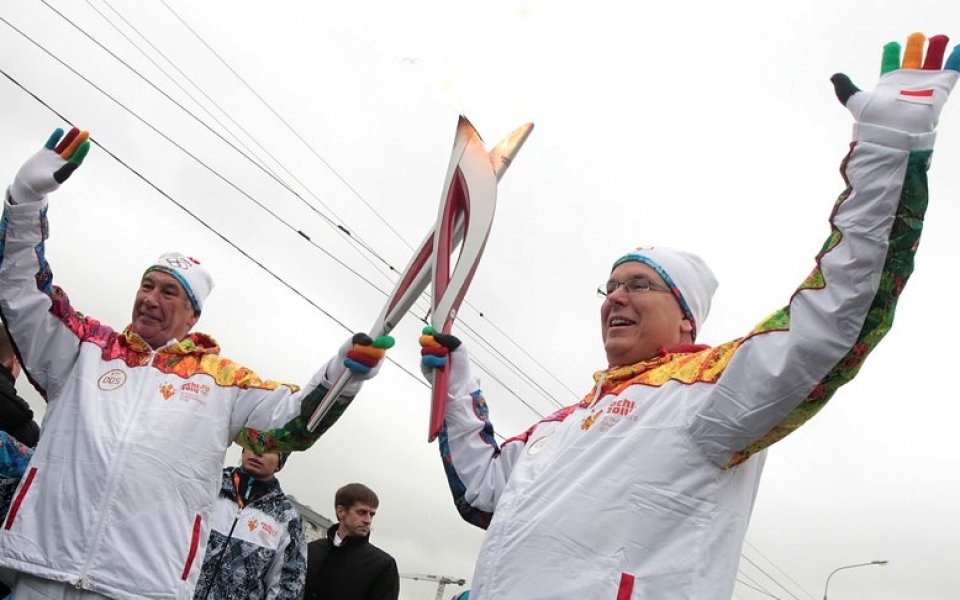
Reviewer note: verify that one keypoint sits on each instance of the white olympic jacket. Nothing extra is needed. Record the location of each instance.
(644, 490)
(117, 497)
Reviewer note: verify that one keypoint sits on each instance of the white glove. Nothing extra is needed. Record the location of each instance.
(52, 165)
(909, 96)
(363, 356)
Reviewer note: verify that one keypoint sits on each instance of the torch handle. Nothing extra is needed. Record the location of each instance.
(328, 399)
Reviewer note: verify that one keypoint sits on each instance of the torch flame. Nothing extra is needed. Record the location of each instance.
(503, 153)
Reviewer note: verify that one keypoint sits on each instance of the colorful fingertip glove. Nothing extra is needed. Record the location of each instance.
(911, 93)
(436, 348)
(367, 353)
(52, 165)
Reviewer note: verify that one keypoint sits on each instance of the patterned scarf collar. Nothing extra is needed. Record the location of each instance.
(614, 379)
(194, 343)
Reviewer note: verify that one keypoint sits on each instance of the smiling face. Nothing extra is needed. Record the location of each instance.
(637, 326)
(161, 310)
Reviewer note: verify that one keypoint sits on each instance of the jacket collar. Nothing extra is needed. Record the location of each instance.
(609, 379)
(194, 343)
(349, 541)
(227, 489)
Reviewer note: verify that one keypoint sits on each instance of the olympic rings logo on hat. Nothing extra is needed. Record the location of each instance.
(184, 263)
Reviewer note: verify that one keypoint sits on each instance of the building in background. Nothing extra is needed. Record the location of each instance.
(315, 525)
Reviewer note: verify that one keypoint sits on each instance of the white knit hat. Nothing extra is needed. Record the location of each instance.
(686, 274)
(194, 279)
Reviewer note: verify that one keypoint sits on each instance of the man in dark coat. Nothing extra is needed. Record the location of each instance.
(345, 565)
(16, 418)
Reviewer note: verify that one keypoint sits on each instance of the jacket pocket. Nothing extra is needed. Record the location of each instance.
(18, 500)
(192, 553)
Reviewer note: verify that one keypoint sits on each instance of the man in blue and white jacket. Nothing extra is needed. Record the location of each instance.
(116, 500)
(257, 549)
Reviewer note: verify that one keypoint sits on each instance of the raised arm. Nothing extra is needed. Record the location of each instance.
(270, 417)
(794, 361)
(46, 330)
(477, 468)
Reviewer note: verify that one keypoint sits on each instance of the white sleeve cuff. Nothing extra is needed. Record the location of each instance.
(893, 138)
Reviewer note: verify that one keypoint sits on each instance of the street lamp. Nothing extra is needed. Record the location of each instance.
(866, 564)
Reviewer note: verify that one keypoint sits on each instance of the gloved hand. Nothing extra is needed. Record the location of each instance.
(909, 96)
(365, 355)
(444, 351)
(435, 349)
(52, 165)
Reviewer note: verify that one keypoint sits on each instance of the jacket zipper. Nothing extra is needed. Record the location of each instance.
(226, 544)
(241, 505)
(112, 477)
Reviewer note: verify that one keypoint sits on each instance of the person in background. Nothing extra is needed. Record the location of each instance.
(257, 549)
(14, 458)
(19, 433)
(345, 565)
(16, 417)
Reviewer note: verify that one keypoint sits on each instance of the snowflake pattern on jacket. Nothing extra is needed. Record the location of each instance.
(256, 552)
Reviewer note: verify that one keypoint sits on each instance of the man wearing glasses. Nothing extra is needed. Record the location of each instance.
(644, 489)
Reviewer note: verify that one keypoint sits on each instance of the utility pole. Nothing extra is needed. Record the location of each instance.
(441, 581)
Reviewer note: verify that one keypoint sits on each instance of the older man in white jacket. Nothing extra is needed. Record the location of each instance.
(644, 489)
(115, 502)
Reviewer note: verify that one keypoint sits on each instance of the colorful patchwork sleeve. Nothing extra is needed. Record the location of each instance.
(273, 417)
(38, 315)
(794, 361)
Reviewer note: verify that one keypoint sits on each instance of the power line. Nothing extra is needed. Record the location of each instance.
(782, 572)
(240, 250)
(206, 225)
(769, 576)
(527, 354)
(342, 229)
(228, 130)
(197, 159)
(500, 356)
(286, 124)
(515, 369)
(754, 587)
(362, 199)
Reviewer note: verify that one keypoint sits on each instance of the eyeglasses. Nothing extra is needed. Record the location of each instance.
(639, 285)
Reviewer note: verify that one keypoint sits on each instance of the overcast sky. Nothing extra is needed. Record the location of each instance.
(706, 126)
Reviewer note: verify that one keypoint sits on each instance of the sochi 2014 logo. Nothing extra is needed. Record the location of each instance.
(167, 391)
